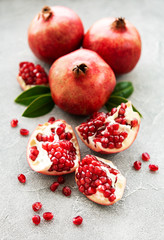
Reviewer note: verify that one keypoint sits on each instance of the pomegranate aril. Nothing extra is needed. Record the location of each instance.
(153, 167)
(21, 178)
(137, 165)
(24, 132)
(107, 193)
(77, 220)
(48, 216)
(121, 111)
(134, 122)
(145, 156)
(112, 197)
(14, 122)
(91, 190)
(114, 110)
(37, 206)
(54, 186)
(36, 219)
(60, 179)
(66, 191)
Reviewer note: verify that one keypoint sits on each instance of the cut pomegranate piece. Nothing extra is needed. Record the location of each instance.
(100, 180)
(24, 132)
(21, 178)
(36, 219)
(145, 156)
(36, 206)
(48, 216)
(110, 132)
(14, 122)
(137, 165)
(153, 167)
(53, 149)
(66, 191)
(77, 220)
(31, 75)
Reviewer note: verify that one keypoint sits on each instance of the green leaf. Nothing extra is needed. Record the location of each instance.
(123, 89)
(115, 101)
(28, 96)
(39, 107)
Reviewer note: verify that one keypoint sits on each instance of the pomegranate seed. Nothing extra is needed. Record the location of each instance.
(48, 216)
(36, 219)
(51, 120)
(24, 132)
(77, 220)
(36, 206)
(21, 178)
(66, 191)
(145, 156)
(14, 122)
(153, 167)
(60, 179)
(112, 197)
(134, 122)
(54, 186)
(137, 165)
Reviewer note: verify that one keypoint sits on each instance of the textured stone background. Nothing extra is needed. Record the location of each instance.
(139, 215)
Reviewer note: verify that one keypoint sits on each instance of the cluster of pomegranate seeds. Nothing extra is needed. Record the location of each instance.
(54, 186)
(145, 156)
(33, 153)
(153, 167)
(21, 178)
(77, 220)
(48, 216)
(14, 122)
(91, 177)
(66, 191)
(36, 206)
(60, 179)
(24, 132)
(137, 165)
(36, 219)
(32, 74)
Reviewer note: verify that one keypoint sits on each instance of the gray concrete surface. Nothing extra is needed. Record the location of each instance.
(139, 215)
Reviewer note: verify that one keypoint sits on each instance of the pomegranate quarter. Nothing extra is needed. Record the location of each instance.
(110, 132)
(53, 149)
(100, 180)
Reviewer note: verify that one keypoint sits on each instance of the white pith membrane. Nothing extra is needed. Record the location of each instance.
(132, 131)
(24, 86)
(118, 183)
(42, 163)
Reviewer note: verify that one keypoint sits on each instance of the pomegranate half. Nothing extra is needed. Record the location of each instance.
(110, 132)
(54, 32)
(117, 41)
(81, 82)
(100, 180)
(53, 149)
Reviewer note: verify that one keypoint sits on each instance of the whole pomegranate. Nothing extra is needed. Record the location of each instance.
(117, 41)
(54, 32)
(81, 82)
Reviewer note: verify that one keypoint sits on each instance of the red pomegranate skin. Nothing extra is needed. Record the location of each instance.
(85, 93)
(120, 48)
(60, 34)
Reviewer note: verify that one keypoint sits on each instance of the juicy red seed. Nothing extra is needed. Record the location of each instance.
(111, 145)
(91, 190)
(51, 120)
(134, 123)
(66, 191)
(21, 178)
(114, 110)
(121, 111)
(36, 206)
(107, 193)
(59, 130)
(48, 216)
(60, 179)
(24, 132)
(118, 145)
(112, 197)
(14, 122)
(145, 156)
(81, 188)
(36, 219)
(54, 186)
(137, 165)
(153, 167)
(123, 105)
(77, 220)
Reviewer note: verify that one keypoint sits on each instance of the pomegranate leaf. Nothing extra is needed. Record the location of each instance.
(123, 89)
(39, 107)
(115, 101)
(27, 97)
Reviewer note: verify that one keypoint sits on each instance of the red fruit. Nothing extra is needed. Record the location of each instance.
(145, 156)
(77, 220)
(66, 191)
(54, 186)
(54, 32)
(137, 165)
(14, 122)
(108, 186)
(37, 206)
(48, 216)
(60, 179)
(51, 152)
(36, 219)
(91, 79)
(31, 75)
(153, 167)
(117, 41)
(106, 134)
(21, 178)
(24, 132)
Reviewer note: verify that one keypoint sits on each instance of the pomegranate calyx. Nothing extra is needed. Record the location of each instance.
(46, 12)
(119, 24)
(81, 68)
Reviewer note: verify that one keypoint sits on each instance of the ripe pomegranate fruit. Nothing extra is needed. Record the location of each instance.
(53, 149)
(31, 75)
(110, 132)
(99, 180)
(54, 32)
(117, 41)
(81, 82)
